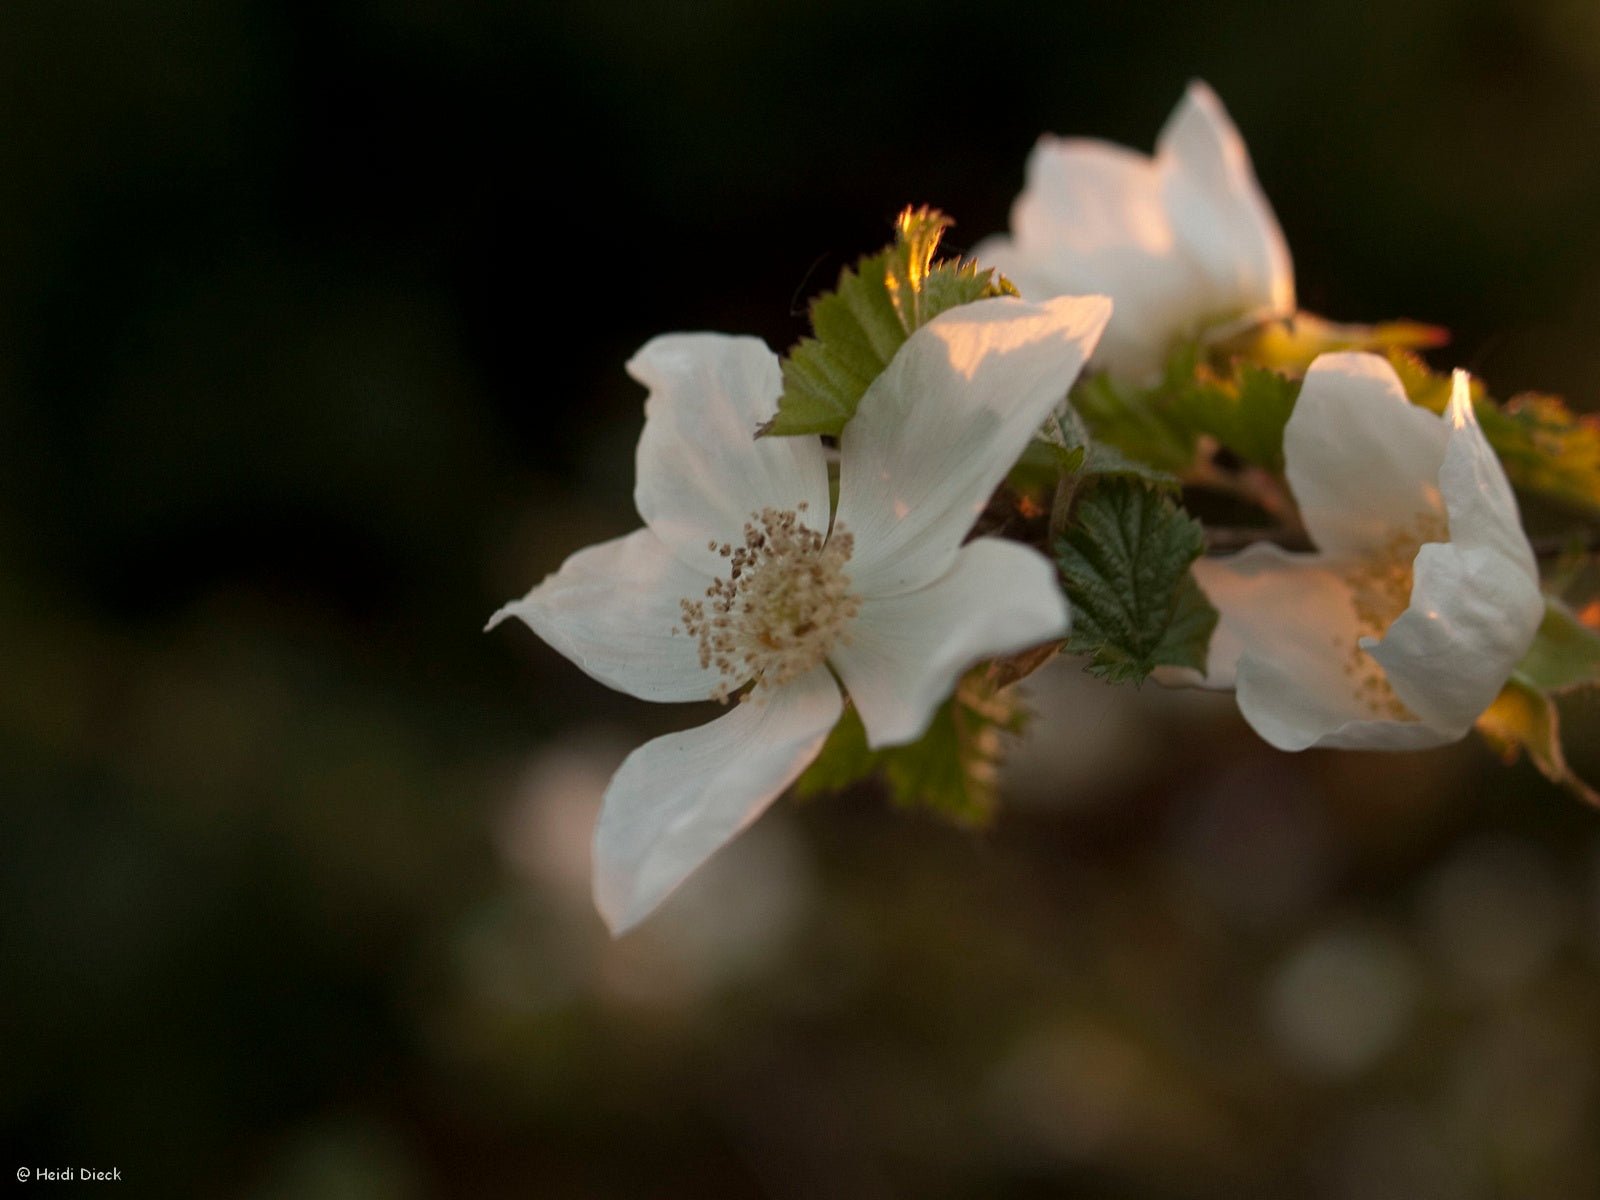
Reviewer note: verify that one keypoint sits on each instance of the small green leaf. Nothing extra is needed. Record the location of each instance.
(1245, 410)
(867, 317)
(1545, 447)
(1125, 565)
(951, 770)
(1565, 653)
(1523, 719)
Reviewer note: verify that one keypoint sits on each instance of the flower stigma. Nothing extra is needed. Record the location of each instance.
(1380, 590)
(785, 604)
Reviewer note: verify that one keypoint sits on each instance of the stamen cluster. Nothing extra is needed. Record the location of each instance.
(1380, 587)
(785, 604)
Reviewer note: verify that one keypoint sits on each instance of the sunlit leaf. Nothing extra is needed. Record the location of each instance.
(859, 325)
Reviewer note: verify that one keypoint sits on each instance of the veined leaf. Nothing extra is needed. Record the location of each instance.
(867, 317)
(1245, 409)
(1125, 565)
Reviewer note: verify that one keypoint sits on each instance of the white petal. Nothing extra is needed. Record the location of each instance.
(1477, 495)
(1179, 242)
(1251, 590)
(1292, 716)
(1283, 639)
(1475, 603)
(676, 800)
(938, 430)
(1218, 214)
(1090, 220)
(611, 609)
(1363, 461)
(907, 652)
(1084, 196)
(702, 471)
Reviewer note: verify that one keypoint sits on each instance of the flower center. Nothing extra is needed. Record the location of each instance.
(785, 604)
(1380, 587)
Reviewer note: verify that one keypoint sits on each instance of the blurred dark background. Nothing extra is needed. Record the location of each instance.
(312, 323)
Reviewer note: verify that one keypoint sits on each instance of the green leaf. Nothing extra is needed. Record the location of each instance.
(1245, 410)
(1545, 447)
(1565, 653)
(1523, 719)
(1125, 565)
(867, 317)
(951, 770)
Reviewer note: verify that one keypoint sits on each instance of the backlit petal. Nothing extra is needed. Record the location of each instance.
(1218, 215)
(1180, 242)
(938, 430)
(1363, 461)
(678, 799)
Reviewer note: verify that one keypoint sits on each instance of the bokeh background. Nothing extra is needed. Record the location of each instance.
(312, 323)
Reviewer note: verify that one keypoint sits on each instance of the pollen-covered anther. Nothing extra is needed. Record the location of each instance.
(785, 603)
(1380, 586)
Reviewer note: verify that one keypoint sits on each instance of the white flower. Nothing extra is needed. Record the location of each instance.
(1181, 242)
(737, 576)
(1424, 592)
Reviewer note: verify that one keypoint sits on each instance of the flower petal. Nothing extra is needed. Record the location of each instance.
(938, 430)
(1090, 220)
(1179, 242)
(1362, 460)
(611, 609)
(678, 799)
(1292, 716)
(702, 472)
(1284, 638)
(1218, 215)
(1477, 494)
(906, 652)
(1475, 602)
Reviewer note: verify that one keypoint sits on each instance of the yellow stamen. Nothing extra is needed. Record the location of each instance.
(785, 604)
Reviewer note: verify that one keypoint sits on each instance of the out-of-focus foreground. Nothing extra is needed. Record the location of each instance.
(312, 318)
